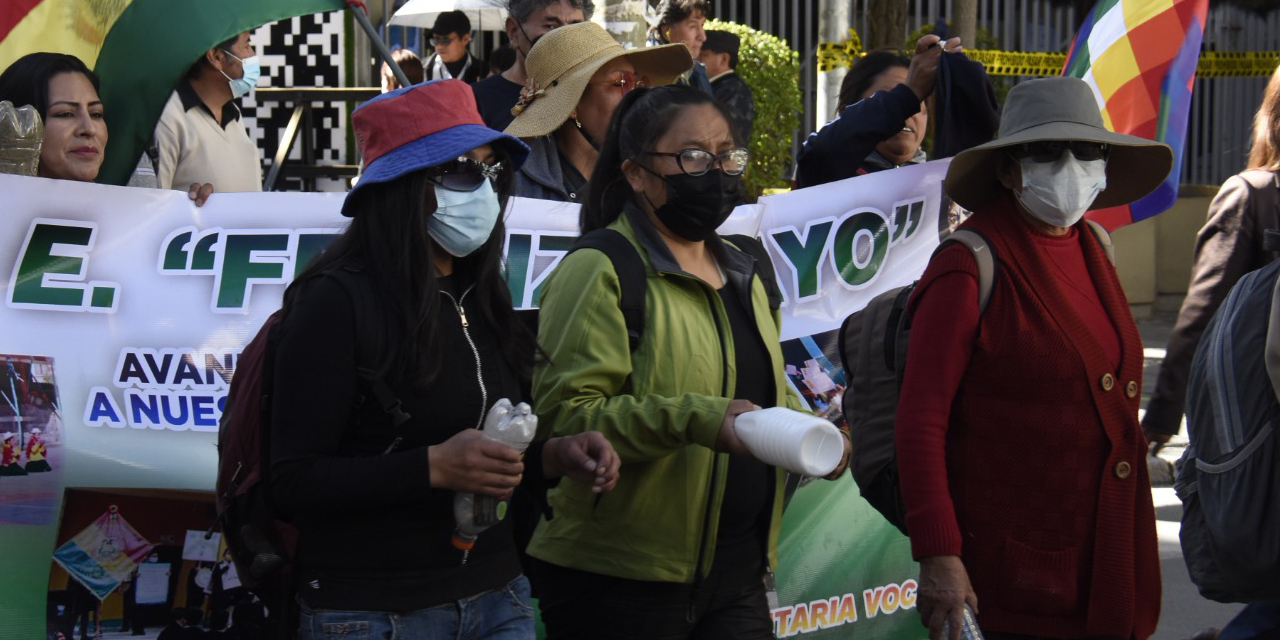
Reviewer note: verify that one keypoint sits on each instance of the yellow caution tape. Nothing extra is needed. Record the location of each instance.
(839, 55)
(1015, 63)
(1213, 64)
(1237, 64)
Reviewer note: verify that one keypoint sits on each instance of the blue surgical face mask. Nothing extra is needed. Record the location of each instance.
(244, 84)
(464, 220)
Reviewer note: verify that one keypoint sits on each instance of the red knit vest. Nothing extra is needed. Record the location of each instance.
(1046, 461)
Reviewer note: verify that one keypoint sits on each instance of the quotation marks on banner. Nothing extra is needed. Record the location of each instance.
(237, 259)
(856, 244)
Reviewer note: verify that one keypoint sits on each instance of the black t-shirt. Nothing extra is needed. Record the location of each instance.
(495, 96)
(744, 515)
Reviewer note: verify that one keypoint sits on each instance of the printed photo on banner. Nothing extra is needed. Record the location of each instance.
(127, 557)
(31, 438)
(813, 368)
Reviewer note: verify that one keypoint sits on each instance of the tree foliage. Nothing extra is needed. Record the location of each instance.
(772, 69)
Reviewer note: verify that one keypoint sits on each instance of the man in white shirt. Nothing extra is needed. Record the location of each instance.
(200, 137)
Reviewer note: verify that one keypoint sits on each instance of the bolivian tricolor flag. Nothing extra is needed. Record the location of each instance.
(1139, 57)
(104, 554)
(139, 49)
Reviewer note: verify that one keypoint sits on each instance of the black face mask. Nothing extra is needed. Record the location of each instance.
(532, 41)
(697, 205)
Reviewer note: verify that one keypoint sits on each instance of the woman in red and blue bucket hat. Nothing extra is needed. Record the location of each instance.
(412, 295)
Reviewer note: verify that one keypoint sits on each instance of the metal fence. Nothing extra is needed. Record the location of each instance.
(1221, 111)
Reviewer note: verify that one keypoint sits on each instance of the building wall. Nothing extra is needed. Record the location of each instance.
(1153, 257)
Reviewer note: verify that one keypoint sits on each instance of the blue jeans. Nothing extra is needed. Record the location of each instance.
(501, 614)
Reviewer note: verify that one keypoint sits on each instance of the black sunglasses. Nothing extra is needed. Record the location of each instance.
(1051, 150)
(464, 174)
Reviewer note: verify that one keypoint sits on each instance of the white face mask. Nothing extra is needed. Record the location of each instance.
(1059, 192)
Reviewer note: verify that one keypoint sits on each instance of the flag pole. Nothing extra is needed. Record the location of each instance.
(357, 9)
(16, 404)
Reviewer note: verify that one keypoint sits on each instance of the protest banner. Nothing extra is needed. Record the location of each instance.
(134, 305)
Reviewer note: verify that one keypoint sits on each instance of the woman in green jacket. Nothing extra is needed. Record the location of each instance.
(683, 545)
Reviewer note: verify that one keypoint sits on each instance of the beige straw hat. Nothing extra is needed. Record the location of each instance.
(1058, 109)
(564, 60)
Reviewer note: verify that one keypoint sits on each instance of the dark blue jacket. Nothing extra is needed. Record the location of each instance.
(841, 148)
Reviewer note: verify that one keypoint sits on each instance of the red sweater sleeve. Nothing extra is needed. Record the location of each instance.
(944, 327)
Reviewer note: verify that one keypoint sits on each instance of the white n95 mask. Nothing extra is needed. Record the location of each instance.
(1059, 192)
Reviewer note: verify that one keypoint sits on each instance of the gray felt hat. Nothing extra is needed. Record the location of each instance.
(1058, 109)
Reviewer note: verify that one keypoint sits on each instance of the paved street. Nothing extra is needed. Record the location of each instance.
(1184, 611)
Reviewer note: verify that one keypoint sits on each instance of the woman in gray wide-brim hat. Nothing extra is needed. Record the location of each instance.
(1022, 464)
(1058, 109)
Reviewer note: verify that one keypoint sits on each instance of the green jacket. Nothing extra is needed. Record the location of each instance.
(661, 408)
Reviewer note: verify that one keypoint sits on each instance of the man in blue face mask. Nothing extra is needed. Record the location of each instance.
(200, 137)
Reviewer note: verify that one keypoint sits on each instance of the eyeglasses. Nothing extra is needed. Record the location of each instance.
(464, 174)
(696, 162)
(1051, 150)
(442, 42)
(626, 81)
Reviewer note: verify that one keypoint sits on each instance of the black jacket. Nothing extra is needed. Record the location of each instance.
(471, 70)
(374, 535)
(965, 111)
(735, 95)
(841, 148)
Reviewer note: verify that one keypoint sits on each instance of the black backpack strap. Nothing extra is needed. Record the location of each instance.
(1271, 353)
(631, 276)
(764, 266)
(266, 391)
(370, 369)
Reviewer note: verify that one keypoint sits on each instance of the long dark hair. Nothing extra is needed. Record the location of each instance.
(26, 81)
(863, 73)
(388, 239)
(641, 119)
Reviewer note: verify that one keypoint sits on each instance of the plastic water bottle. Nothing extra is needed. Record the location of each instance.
(968, 627)
(513, 426)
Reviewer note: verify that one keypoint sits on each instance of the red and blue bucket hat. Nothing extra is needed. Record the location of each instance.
(422, 126)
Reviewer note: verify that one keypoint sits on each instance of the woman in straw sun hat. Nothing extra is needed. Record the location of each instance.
(1022, 464)
(371, 489)
(577, 76)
